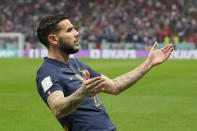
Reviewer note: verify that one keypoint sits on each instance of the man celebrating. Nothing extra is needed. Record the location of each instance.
(70, 87)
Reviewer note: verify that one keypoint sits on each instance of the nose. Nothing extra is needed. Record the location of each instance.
(76, 33)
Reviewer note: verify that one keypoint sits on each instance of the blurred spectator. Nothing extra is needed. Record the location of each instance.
(115, 21)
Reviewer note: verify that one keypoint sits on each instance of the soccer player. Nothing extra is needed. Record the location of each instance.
(70, 88)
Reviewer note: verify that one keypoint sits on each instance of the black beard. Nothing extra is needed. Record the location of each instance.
(66, 48)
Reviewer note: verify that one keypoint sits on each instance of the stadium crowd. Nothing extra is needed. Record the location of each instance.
(107, 21)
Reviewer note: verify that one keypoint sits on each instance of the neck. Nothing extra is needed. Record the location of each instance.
(58, 55)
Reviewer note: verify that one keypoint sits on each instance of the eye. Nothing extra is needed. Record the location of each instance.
(69, 29)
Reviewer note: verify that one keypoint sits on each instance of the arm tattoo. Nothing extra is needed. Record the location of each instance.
(62, 106)
(123, 82)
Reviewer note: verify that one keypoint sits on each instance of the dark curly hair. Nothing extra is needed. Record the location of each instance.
(47, 26)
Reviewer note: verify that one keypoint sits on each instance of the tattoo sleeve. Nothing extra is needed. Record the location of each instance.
(126, 80)
(62, 106)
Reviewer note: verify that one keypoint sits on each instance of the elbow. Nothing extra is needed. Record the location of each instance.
(59, 113)
(116, 92)
(56, 113)
(58, 116)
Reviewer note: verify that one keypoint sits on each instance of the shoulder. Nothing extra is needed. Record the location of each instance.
(47, 71)
(48, 78)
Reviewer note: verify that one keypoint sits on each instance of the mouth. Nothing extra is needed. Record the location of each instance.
(76, 42)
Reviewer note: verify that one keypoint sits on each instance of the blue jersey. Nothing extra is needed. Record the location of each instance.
(90, 115)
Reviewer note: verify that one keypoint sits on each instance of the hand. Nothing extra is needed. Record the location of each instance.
(156, 57)
(90, 87)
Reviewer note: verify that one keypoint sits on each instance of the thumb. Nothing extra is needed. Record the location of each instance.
(87, 75)
(154, 46)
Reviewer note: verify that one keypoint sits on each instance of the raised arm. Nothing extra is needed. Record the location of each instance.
(121, 83)
(62, 106)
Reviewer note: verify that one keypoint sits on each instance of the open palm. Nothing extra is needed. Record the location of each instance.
(156, 57)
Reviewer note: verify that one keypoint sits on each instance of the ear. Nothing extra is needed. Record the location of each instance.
(52, 39)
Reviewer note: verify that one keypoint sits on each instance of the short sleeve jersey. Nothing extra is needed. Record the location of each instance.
(54, 75)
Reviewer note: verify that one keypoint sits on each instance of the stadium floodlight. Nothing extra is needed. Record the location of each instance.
(20, 41)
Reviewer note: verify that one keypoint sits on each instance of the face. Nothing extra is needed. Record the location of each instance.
(67, 37)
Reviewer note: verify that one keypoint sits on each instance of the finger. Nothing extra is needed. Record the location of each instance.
(98, 85)
(168, 53)
(87, 75)
(90, 81)
(155, 46)
(93, 86)
(167, 48)
(164, 48)
(98, 89)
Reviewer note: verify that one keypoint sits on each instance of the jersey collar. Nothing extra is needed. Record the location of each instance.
(54, 61)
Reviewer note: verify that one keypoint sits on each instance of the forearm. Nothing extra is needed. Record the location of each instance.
(125, 81)
(65, 105)
(62, 106)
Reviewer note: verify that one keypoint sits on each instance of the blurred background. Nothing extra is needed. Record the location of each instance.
(103, 24)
